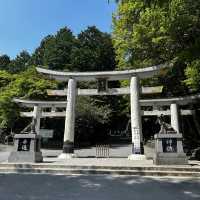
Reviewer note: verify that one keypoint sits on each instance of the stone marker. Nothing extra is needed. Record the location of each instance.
(26, 148)
(169, 146)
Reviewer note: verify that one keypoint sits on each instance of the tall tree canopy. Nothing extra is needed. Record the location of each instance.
(54, 51)
(27, 84)
(4, 62)
(155, 31)
(20, 63)
(93, 52)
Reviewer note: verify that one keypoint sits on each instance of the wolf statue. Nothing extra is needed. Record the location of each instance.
(165, 128)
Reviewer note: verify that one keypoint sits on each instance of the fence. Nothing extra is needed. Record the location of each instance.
(102, 151)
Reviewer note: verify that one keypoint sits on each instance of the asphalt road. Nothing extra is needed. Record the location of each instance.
(104, 187)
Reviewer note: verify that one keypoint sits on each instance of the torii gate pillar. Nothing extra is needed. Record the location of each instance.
(175, 117)
(37, 117)
(68, 144)
(136, 124)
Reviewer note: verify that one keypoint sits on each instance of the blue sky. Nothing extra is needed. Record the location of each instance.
(24, 23)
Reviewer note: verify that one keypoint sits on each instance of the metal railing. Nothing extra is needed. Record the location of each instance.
(102, 151)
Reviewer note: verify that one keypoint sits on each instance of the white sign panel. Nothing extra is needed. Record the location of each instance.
(46, 133)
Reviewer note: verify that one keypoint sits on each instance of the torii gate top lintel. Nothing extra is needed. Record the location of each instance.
(42, 104)
(108, 75)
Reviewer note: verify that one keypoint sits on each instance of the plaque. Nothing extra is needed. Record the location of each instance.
(24, 144)
(102, 85)
(169, 145)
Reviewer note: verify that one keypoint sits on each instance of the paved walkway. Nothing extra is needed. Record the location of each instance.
(116, 151)
(98, 187)
(86, 156)
(104, 187)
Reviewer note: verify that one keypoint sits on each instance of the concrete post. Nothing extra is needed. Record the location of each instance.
(68, 145)
(175, 117)
(36, 117)
(136, 124)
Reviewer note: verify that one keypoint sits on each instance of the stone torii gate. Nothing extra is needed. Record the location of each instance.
(173, 103)
(103, 77)
(155, 104)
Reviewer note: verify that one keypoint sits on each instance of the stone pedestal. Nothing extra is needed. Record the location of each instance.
(26, 149)
(169, 149)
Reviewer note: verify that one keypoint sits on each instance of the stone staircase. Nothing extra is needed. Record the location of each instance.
(160, 171)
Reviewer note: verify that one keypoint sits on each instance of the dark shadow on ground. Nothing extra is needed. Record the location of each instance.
(51, 187)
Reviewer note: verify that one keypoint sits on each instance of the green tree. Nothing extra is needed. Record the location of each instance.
(193, 74)
(4, 62)
(156, 31)
(54, 51)
(93, 51)
(5, 79)
(29, 85)
(91, 120)
(47, 43)
(20, 63)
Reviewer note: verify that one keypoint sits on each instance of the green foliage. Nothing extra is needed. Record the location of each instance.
(93, 51)
(4, 62)
(17, 65)
(88, 109)
(92, 120)
(54, 51)
(154, 31)
(28, 84)
(20, 63)
(193, 75)
(5, 79)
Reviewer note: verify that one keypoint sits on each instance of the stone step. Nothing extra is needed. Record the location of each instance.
(69, 170)
(100, 167)
(100, 172)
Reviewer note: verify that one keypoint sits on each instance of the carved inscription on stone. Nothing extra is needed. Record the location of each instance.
(102, 85)
(136, 149)
(169, 145)
(24, 144)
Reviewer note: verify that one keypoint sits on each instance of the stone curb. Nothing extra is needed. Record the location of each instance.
(86, 170)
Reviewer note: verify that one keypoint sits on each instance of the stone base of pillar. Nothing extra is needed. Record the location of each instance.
(136, 157)
(138, 150)
(64, 156)
(68, 147)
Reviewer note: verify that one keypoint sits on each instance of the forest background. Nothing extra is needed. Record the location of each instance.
(145, 33)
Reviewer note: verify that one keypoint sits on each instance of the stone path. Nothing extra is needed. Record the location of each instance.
(116, 151)
(86, 156)
(118, 154)
(104, 187)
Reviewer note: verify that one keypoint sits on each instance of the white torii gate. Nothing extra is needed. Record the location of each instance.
(173, 110)
(103, 78)
(172, 102)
